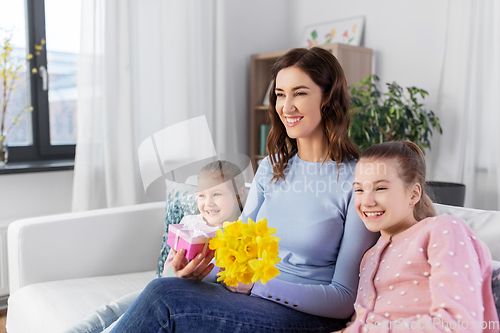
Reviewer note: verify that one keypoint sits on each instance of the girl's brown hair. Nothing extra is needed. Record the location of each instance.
(324, 69)
(411, 169)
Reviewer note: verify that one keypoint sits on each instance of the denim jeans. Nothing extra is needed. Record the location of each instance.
(181, 305)
(104, 316)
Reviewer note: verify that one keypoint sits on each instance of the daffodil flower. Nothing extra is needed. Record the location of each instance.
(268, 244)
(264, 269)
(245, 277)
(226, 257)
(261, 229)
(218, 241)
(246, 252)
(233, 229)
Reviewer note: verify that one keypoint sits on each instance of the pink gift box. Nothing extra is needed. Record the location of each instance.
(193, 237)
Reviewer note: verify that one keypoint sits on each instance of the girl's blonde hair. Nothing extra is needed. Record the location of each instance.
(411, 169)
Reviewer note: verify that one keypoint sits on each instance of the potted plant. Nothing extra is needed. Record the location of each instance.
(378, 117)
(11, 77)
(398, 114)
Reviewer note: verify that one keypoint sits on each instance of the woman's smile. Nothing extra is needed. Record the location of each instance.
(292, 121)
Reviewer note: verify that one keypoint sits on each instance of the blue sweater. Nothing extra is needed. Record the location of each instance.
(322, 237)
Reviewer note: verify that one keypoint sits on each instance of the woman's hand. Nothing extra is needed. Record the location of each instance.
(240, 288)
(196, 269)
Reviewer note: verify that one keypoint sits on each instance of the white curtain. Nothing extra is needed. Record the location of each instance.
(145, 65)
(469, 103)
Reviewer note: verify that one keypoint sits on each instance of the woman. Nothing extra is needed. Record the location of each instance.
(304, 189)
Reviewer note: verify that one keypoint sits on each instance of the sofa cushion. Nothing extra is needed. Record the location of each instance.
(181, 201)
(58, 305)
(485, 223)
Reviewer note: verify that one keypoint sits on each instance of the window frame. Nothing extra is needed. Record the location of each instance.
(40, 149)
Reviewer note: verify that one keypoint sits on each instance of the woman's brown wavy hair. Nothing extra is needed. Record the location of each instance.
(324, 69)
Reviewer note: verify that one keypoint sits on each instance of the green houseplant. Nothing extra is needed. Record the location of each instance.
(398, 114)
(394, 115)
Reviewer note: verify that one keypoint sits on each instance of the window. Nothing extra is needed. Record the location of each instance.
(49, 131)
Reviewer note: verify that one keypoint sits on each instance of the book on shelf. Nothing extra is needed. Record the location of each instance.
(264, 132)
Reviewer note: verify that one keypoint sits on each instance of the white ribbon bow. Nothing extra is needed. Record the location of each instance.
(198, 228)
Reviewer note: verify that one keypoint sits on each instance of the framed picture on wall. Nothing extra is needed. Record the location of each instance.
(346, 31)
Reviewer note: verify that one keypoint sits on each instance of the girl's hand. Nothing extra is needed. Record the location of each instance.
(196, 269)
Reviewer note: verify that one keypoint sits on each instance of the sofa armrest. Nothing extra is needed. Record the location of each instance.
(85, 244)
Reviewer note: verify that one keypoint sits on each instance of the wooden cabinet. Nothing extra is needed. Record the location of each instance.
(356, 62)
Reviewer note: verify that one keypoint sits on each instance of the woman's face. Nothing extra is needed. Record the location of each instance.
(298, 104)
(382, 199)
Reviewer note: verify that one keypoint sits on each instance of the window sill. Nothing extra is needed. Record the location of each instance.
(37, 166)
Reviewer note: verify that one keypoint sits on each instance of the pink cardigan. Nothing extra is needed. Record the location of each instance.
(433, 277)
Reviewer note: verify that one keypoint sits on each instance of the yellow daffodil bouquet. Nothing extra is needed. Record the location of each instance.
(247, 252)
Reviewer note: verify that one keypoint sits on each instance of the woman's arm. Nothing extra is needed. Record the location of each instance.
(336, 299)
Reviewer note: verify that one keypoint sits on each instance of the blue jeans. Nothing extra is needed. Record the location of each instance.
(181, 305)
(105, 316)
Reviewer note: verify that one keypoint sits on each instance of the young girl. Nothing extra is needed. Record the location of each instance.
(304, 189)
(426, 272)
(221, 193)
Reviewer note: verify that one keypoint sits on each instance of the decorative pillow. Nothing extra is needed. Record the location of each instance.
(181, 201)
(495, 285)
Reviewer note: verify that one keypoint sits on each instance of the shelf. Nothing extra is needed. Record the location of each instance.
(262, 107)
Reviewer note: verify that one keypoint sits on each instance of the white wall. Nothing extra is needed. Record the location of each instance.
(254, 27)
(34, 194)
(407, 36)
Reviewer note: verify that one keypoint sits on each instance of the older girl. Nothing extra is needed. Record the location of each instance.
(426, 273)
(304, 189)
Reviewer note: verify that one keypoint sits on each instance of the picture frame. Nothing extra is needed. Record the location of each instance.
(345, 31)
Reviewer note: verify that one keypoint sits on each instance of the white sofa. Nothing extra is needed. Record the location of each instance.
(62, 267)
